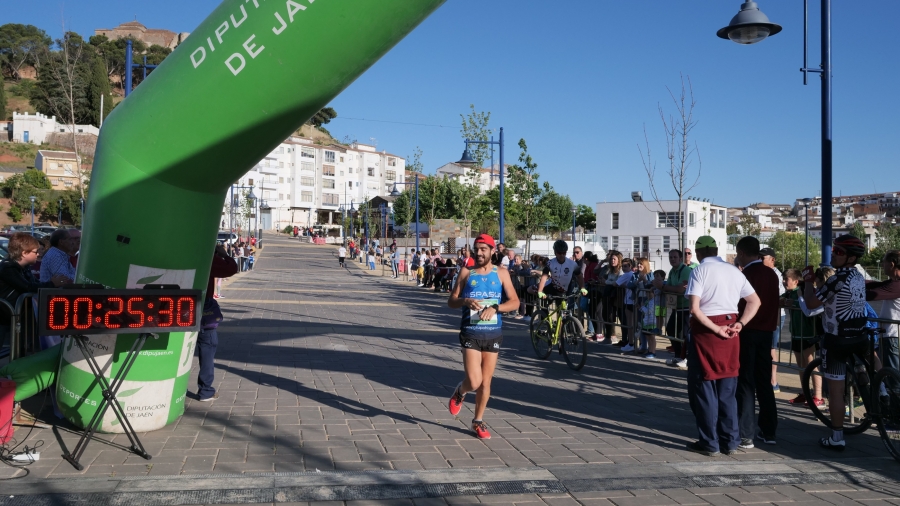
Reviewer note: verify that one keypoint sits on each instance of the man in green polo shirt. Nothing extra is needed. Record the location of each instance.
(678, 319)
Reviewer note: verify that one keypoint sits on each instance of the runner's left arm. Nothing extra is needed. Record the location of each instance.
(512, 299)
(455, 302)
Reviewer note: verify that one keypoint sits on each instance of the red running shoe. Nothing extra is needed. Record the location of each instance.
(456, 400)
(480, 429)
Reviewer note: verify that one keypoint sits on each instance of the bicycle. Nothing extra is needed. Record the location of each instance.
(558, 328)
(866, 401)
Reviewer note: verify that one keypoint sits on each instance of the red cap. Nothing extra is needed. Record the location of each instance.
(486, 239)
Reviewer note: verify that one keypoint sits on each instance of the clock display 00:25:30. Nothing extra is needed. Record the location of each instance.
(119, 312)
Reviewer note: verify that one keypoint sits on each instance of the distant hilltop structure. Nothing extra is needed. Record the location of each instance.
(149, 36)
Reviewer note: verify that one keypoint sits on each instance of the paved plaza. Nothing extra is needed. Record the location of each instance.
(334, 384)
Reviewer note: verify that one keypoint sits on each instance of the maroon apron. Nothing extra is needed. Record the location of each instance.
(718, 357)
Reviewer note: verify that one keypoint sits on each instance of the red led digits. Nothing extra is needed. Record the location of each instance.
(85, 302)
(132, 311)
(167, 312)
(54, 313)
(121, 304)
(189, 314)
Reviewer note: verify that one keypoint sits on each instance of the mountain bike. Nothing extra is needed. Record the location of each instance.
(867, 401)
(559, 328)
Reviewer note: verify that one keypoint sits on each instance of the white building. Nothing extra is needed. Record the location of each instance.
(34, 128)
(647, 229)
(301, 183)
(486, 178)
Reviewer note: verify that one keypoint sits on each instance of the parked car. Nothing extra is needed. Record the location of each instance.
(226, 237)
(47, 229)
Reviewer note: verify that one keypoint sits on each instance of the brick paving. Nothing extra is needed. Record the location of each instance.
(328, 369)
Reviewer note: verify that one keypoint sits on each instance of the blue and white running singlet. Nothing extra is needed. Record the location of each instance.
(488, 289)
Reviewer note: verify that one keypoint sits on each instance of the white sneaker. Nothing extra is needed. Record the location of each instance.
(627, 348)
(682, 364)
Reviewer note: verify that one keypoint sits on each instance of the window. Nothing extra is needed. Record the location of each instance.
(289, 196)
(604, 243)
(350, 184)
(342, 159)
(342, 173)
(713, 219)
(307, 152)
(250, 182)
(636, 245)
(330, 199)
(329, 156)
(308, 181)
(615, 242)
(328, 183)
(721, 218)
(645, 246)
(392, 162)
(280, 196)
(391, 175)
(305, 196)
(615, 221)
(328, 170)
(692, 219)
(280, 165)
(668, 220)
(371, 171)
(308, 166)
(667, 245)
(281, 180)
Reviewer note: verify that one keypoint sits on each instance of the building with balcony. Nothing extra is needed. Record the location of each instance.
(60, 167)
(302, 183)
(639, 228)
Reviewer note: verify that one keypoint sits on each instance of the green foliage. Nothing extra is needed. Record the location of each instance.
(475, 128)
(559, 210)
(887, 237)
(323, 117)
(23, 88)
(15, 213)
(288, 230)
(526, 192)
(586, 217)
(414, 162)
(63, 77)
(744, 227)
(98, 86)
(19, 46)
(790, 250)
(859, 231)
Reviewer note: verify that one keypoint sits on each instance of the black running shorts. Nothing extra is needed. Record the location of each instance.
(483, 345)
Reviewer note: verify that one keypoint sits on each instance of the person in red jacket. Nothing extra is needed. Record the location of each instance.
(223, 266)
(756, 344)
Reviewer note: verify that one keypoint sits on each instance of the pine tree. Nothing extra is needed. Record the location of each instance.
(98, 86)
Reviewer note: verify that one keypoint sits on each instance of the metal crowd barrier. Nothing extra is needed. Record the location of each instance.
(23, 339)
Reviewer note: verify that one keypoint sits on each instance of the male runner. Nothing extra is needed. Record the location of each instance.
(560, 270)
(844, 322)
(342, 253)
(478, 292)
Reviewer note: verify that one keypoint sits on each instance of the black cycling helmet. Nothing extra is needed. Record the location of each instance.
(851, 244)
(560, 246)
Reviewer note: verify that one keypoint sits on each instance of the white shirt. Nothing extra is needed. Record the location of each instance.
(719, 285)
(342, 252)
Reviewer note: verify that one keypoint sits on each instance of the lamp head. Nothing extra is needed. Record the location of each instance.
(395, 192)
(749, 26)
(32, 198)
(466, 160)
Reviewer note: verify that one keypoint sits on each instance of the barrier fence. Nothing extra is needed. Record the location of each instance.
(19, 338)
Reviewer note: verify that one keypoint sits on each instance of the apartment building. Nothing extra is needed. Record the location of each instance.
(35, 128)
(61, 168)
(486, 178)
(648, 229)
(301, 183)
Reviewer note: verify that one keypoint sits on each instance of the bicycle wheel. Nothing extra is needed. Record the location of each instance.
(574, 345)
(537, 317)
(887, 381)
(541, 339)
(855, 420)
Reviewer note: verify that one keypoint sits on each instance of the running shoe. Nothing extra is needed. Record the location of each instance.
(696, 447)
(480, 429)
(767, 440)
(800, 400)
(746, 443)
(650, 355)
(674, 362)
(456, 400)
(776, 388)
(818, 402)
(627, 348)
(605, 341)
(831, 444)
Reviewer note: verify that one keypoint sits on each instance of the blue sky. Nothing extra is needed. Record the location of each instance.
(580, 79)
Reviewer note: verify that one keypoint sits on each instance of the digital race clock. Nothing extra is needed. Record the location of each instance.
(70, 311)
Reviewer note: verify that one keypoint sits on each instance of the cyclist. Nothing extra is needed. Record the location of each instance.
(844, 322)
(560, 271)
(478, 292)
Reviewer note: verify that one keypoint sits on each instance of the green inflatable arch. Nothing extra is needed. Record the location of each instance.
(243, 81)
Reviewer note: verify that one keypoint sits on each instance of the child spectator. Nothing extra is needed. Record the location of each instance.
(371, 259)
(806, 329)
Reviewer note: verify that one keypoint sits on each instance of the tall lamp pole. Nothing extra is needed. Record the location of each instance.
(468, 161)
(32, 198)
(82, 211)
(806, 202)
(60, 212)
(396, 193)
(750, 26)
(574, 211)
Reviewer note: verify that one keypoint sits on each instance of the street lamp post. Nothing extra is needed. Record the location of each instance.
(396, 193)
(806, 202)
(750, 26)
(574, 211)
(468, 161)
(82, 211)
(60, 212)
(32, 198)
